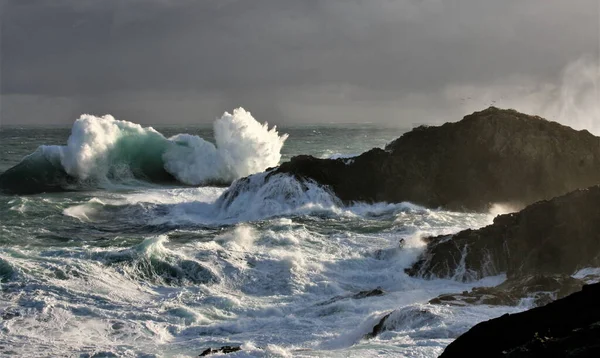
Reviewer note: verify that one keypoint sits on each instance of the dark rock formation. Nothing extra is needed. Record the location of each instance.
(36, 174)
(379, 327)
(540, 290)
(558, 236)
(569, 327)
(492, 156)
(224, 350)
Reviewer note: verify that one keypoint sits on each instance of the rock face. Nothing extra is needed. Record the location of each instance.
(557, 236)
(492, 156)
(569, 327)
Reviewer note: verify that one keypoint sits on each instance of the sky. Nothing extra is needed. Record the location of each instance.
(401, 62)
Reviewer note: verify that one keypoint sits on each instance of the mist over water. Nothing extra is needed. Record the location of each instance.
(572, 99)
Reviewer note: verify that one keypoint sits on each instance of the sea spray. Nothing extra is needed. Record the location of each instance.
(103, 152)
(243, 147)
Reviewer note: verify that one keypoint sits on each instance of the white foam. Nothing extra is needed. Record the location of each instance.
(83, 212)
(243, 147)
(263, 196)
(275, 277)
(103, 148)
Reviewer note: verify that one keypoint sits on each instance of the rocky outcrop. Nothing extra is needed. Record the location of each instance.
(492, 156)
(569, 327)
(537, 289)
(557, 236)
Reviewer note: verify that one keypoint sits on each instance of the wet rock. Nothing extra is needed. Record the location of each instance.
(370, 293)
(224, 350)
(407, 318)
(357, 296)
(6, 315)
(492, 156)
(540, 290)
(379, 327)
(568, 327)
(35, 174)
(551, 237)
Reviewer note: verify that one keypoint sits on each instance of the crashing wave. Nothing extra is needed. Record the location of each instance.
(102, 151)
(266, 195)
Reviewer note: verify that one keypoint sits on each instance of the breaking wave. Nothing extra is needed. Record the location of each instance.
(152, 262)
(103, 151)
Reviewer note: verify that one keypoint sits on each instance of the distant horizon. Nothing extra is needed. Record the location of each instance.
(209, 125)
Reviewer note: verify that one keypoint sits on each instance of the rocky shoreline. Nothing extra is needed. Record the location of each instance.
(493, 157)
(528, 162)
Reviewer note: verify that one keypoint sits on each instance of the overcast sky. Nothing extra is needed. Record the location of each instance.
(292, 61)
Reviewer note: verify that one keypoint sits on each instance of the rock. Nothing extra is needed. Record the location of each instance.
(492, 156)
(224, 350)
(558, 236)
(36, 174)
(569, 327)
(41, 173)
(407, 318)
(357, 296)
(370, 293)
(7, 315)
(539, 289)
(379, 327)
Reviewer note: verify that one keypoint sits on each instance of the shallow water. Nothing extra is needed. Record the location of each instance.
(144, 270)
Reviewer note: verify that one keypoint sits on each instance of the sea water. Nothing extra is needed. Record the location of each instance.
(125, 264)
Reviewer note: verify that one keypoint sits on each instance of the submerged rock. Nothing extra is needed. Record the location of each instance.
(569, 327)
(492, 156)
(558, 236)
(357, 296)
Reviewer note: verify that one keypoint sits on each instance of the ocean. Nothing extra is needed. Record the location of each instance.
(145, 255)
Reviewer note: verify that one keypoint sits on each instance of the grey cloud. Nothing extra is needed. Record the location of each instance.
(273, 55)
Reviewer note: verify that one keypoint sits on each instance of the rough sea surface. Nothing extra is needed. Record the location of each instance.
(133, 268)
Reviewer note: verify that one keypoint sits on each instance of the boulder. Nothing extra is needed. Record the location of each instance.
(492, 156)
(569, 327)
(222, 350)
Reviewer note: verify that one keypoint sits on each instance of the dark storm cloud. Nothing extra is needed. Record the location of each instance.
(276, 56)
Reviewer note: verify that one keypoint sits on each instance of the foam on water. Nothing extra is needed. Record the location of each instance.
(262, 284)
(271, 263)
